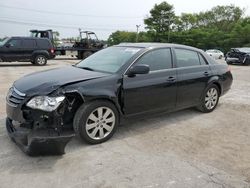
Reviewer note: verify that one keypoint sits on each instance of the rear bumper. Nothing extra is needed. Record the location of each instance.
(40, 141)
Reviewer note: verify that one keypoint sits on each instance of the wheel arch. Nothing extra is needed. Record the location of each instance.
(215, 80)
(36, 53)
(87, 99)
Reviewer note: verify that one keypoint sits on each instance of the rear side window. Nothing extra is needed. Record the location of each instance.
(29, 43)
(186, 58)
(157, 59)
(43, 44)
(15, 43)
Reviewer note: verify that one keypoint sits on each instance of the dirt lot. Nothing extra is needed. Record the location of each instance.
(181, 149)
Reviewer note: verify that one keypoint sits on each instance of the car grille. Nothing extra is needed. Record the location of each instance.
(15, 97)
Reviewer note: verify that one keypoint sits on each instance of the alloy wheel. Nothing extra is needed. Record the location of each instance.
(41, 60)
(211, 98)
(100, 123)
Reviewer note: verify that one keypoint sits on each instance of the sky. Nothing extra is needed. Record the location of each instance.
(103, 17)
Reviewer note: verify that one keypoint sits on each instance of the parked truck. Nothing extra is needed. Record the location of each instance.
(86, 46)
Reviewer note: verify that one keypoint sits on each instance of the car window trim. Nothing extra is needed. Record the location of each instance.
(200, 54)
(197, 52)
(150, 50)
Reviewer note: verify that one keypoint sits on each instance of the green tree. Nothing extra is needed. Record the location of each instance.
(161, 17)
(121, 36)
(56, 39)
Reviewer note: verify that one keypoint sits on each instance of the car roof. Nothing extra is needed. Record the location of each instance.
(157, 45)
(34, 38)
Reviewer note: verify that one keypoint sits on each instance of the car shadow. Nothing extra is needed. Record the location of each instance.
(16, 64)
(21, 163)
(66, 58)
(140, 125)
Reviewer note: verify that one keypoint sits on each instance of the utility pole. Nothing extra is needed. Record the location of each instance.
(137, 32)
(80, 35)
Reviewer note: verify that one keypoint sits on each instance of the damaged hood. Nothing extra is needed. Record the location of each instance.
(45, 82)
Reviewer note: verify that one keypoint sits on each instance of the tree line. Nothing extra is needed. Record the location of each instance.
(222, 27)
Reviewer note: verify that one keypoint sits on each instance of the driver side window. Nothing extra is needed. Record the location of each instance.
(15, 43)
(158, 59)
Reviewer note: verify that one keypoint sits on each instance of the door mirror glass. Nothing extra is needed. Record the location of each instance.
(138, 69)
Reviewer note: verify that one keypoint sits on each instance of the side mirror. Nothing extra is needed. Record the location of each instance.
(8, 45)
(138, 69)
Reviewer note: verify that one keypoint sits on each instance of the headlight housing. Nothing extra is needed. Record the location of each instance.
(45, 103)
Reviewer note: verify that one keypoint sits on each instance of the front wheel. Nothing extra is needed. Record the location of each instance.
(96, 122)
(210, 99)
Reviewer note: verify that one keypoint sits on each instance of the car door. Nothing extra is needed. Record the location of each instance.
(28, 46)
(193, 73)
(12, 50)
(152, 91)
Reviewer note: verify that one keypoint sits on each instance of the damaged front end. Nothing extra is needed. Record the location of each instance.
(39, 126)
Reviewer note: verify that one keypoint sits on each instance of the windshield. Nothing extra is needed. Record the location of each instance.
(108, 60)
(245, 50)
(3, 41)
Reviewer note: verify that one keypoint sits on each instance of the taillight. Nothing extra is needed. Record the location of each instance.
(52, 50)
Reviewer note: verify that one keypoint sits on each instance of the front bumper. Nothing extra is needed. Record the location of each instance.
(40, 141)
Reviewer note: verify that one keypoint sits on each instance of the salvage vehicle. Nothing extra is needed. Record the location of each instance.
(86, 46)
(216, 54)
(46, 109)
(35, 50)
(238, 56)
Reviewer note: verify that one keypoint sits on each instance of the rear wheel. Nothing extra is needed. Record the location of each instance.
(96, 122)
(210, 99)
(40, 60)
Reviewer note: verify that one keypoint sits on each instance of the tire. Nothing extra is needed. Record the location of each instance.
(91, 125)
(210, 99)
(87, 54)
(79, 55)
(40, 60)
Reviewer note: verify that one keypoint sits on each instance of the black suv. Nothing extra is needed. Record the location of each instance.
(36, 50)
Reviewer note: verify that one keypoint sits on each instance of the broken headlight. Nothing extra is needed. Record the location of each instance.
(45, 103)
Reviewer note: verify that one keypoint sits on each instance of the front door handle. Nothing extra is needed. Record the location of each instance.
(171, 79)
(206, 73)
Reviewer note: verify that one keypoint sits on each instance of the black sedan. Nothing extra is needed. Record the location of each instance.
(46, 109)
(238, 56)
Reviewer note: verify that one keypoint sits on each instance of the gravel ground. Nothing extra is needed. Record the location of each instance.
(181, 149)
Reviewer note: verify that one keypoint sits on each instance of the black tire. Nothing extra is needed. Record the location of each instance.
(87, 54)
(79, 55)
(203, 107)
(40, 60)
(83, 115)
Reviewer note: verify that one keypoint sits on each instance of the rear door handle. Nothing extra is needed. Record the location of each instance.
(171, 79)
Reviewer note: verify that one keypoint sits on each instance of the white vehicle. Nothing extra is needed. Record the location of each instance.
(216, 54)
